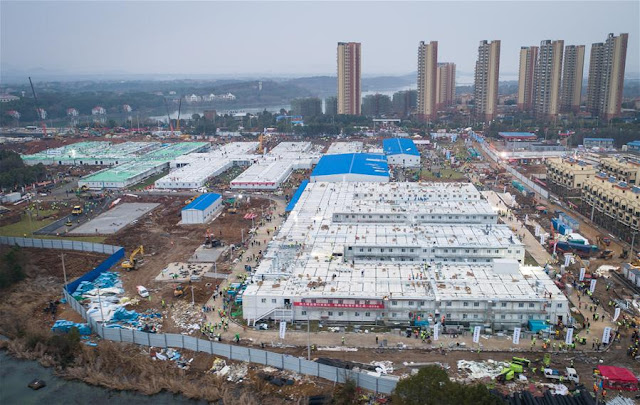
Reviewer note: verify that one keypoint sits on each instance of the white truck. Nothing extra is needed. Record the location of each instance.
(569, 374)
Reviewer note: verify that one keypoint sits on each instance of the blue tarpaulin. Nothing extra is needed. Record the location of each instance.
(122, 314)
(65, 326)
(537, 325)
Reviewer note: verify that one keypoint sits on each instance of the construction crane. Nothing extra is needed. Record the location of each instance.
(38, 110)
(166, 105)
(179, 108)
(260, 147)
(132, 263)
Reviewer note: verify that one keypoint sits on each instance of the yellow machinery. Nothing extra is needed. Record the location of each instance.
(132, 263)
(260, 147)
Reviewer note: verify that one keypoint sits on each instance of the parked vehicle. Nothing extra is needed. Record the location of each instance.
(569, 374)
(142, 291)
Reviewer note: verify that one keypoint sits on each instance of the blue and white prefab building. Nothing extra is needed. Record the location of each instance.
(401, 152)
(202, 209)
(351, 167)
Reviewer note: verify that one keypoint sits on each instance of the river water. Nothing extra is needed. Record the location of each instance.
(16, 374)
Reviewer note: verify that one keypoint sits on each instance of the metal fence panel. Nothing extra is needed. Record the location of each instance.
(174, 340)
(327, 372)
(292, 363)
(386, 385)
(274, 359)
(309, 367)
(240, 353)
(190, 343)
(258, 356)
(156, 339)
(111, 334)
(140, 338)
(126, 335)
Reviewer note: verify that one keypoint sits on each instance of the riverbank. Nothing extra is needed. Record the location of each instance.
(15, 374)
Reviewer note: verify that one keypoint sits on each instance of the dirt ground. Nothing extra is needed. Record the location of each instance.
(165, 241)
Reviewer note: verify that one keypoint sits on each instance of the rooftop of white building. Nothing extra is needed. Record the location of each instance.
(338, 148)
(408, 281)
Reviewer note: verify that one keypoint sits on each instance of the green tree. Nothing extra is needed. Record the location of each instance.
(11, 270)
(432, 386)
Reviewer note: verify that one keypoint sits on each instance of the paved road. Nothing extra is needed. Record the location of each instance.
(532, 244)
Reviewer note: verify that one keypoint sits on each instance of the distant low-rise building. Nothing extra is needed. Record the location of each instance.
(634, 146)
(5, 98)
(98, 110)
(605, 143)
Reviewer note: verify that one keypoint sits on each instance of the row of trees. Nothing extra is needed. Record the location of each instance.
(14, 173)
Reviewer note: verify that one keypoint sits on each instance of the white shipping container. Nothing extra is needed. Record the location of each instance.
(11, 197)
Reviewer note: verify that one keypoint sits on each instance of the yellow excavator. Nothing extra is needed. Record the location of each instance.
(133, 261)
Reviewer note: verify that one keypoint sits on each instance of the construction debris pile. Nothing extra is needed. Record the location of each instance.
(170, 355)
(186, 317)
(147, 321)
(234, 372)
(102, 296)
(476, 370)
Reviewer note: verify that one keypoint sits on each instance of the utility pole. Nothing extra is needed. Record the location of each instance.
(193, 302)
(633, 241)
(64, 271)
(100, 303)
(308, 337)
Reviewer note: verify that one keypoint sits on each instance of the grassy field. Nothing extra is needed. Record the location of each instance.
(445, 174)
(26, 226)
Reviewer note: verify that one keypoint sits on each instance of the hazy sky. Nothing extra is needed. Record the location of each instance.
(151, 37)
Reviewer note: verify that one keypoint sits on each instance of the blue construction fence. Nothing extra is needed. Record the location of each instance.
(99, 269)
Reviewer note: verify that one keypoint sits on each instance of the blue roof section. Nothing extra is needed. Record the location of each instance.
(202, 202)
(398, 146)
(634, 143)
(598, 139)
(296, 196)
(370, 164)
(517, 135)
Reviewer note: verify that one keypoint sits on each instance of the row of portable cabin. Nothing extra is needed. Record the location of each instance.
(631, 273)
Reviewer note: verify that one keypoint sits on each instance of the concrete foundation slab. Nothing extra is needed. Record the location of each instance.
(115, 219)
(183, 272)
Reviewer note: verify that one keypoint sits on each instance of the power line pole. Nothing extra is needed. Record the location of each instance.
(64, 271)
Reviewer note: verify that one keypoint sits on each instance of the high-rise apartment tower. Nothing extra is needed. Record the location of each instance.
(606, 76)
(486, 80)
(427, 80)
(547, 79)
(349, 91)
(572, 73)
(528, 59)
(446, 85)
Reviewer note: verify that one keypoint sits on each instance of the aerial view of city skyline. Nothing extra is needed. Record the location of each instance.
(320, 202)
